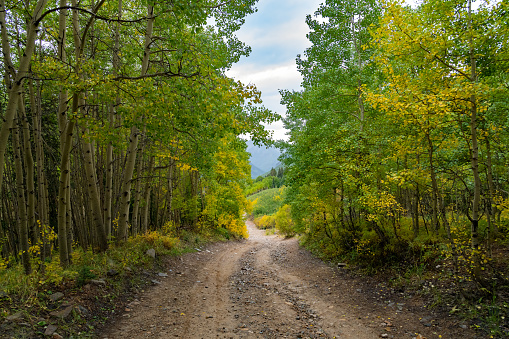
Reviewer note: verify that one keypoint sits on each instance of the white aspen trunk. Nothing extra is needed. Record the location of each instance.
(29, 170)
(18, 76)
(91, 182)
(148, 190)
(474, 157)
(133, 140)
(108, 189)
(66, 129)
(108, 195)
(137, 194)
(22, 208)
(42, 205)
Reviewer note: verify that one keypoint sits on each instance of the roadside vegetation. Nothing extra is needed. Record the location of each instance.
(94, 286)
(268, 210)
(398, 148)
(273, 179)
(119, 132)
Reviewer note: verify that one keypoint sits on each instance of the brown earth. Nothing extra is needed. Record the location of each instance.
(268, 287)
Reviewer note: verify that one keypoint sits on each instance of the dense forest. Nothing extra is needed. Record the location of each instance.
(118, 119)
(398, 142)
(119, 122)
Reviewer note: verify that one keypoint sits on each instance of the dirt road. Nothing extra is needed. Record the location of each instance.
(267, 287)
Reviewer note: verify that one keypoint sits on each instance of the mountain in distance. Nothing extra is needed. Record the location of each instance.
(262, 159)
(255, 171)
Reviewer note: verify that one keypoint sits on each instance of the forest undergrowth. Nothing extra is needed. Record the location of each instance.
(427, 266)
(81, 297)
(423, 265)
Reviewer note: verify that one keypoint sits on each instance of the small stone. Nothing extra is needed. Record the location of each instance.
(56, 336)
(56, 296)
(128, 269)
(63, 313)
(98, 282)
(112, 273)
(15, 317)
(83, 310)
(50, 330)
(341, 264)
(463, 326)
(151, 253)
(155, 282)
(162, 274)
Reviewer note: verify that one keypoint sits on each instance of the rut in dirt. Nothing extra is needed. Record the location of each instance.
(262, 287)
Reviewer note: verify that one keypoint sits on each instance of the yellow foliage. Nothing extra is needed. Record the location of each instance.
(379, 204)
(156, 238)
(503, 206)
(234, 226)
(265, 221)
(250, 204)
(284, 223)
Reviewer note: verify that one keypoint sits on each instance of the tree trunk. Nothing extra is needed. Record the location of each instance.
(133, 140)
(434, 186)
(108, 196)
(491, 186)
(91, 182)
(66, 129)
(14, 90)
(22, 208)
(474, 159)
(29, 169)
(148, 190)
(137, 194)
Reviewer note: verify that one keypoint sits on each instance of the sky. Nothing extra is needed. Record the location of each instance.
(276, 34)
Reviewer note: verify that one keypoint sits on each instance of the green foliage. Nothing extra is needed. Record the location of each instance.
(84, 275)
(225, 203)
(264, 183)
(380, 156)
(284, 223)
(267, 202)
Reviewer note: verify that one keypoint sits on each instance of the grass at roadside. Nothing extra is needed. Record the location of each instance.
(267, 202)
(270, 213)
(93, 286)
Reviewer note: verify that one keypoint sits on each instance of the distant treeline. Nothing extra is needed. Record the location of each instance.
(274, 179)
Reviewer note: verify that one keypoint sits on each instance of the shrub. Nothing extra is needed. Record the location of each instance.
(267, 202)
(85, 274)
(265, 221)
(284, 223)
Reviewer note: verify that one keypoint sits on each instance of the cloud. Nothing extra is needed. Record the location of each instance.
(276, 34)
(269, 80)
(271, 77)
(279, 43)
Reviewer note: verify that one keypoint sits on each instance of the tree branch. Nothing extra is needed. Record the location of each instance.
(88, 12)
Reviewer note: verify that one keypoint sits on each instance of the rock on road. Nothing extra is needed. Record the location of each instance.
(262, 287)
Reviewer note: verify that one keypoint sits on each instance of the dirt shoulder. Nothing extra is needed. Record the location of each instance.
(268, 287)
